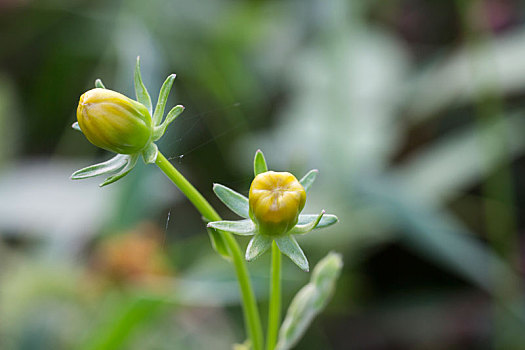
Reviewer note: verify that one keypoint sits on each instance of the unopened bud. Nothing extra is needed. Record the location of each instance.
(276, 199)
(114, 122)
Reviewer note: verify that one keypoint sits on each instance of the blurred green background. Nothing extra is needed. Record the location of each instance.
(412, 110)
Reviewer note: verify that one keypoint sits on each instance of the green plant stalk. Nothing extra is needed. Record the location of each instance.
(274, 309)
(251, 312)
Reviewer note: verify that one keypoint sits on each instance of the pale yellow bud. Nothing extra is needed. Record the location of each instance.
(276, 199)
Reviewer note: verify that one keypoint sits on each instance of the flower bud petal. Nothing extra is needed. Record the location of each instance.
(276, 199)
(114, 122)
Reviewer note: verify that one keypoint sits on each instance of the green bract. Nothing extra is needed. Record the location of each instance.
(273, 215)
(119, 124)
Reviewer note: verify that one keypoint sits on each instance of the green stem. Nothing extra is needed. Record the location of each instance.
(274, 310)
(251, 312)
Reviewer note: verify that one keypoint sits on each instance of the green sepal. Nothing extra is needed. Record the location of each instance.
(289, 247)
(140, 90)
(241, 227)
(233, 200)
(305, 228)
(132, 161)
(257, 247)
(326, 220)
(259, 163)
(309, 179)
(108, 166)
(99, 84)
(218, 243)
(163, 98)
(310, 301)
(76, 126)
(161, 129)
(150, 153)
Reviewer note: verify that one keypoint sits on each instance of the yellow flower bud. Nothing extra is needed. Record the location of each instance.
(114, 122)
(276, 199)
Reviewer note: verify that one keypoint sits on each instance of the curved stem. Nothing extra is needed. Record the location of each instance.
(251, 312)
(274, 310)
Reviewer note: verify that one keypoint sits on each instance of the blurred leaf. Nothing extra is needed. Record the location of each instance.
(310, 301)
(114, 334)
(458, 160)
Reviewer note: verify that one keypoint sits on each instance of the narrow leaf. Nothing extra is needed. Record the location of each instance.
(259, 163)
(241, 227)
(257, 247)
(310, 301)
(108, 166)
(150, 153)
(326, 220)
(289, 247)
(218, 243)
(233, 200)
(309, 179)
(76, 126)
(161, 129)
(163, 98)
(132, 161)
(140, 90)
(299, 229)
(99, 84)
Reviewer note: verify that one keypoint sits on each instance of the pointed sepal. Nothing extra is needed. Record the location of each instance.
(326, 220)
(305, 228)
(76, 126)
(140, 90)
(161, 129)
(233, 200)
(163, 98)
(106, 167)
(99, 84)
(240, 227)
(259, 163)
(150, 153)
(132, 161)
(289, 247)
(309, 179)
(258, 246)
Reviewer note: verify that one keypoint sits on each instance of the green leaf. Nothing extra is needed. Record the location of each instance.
(233, 200)
(140, 90)
(132, 161)
(108, 166)
(124, 322)
(99, 84)
(218, 243)
(241, 227)
(76, 126)
(309, 179)
(163, 98)
(310, 301)
(161, 129)
(326, 220)
(289, 247)
(150, 153)
(258, 246)
(299, 229)
(259, 163)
